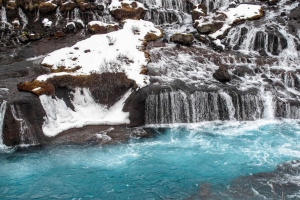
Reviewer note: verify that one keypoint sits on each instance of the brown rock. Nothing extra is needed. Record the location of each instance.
(47, 7)
(11, 5)
(59, 34)
(182, 38)
(196, 15)
(67, 6)
(98, 28)
(33, 36)
(128, 11)
(84, 6)
(37, 87)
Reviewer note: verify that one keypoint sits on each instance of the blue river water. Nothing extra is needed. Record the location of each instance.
(171, 165)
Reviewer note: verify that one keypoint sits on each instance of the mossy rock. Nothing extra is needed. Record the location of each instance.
(37, 87)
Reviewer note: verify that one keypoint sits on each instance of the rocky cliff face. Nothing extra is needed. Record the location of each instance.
(203, 60)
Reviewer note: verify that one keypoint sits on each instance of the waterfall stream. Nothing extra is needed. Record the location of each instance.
(26, 134)
(23, 18)
(180, 107)
(2, 115)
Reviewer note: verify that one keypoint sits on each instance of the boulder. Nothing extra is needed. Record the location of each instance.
(134, 10)
(182, 38)
(59, 34)
(23, 38)
(70, 27)
(198, 11)
(96, 27)
(67, 6)
(11, 5)
(33, 36)
(222, 74)
(209, 28)
(47, 7)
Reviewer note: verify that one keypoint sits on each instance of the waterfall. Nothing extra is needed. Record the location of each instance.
(2, 115)
(26, 133)
(4, 18)
(179, 107)
(23, 17)
(58, 16)
(268, 105)
(229, 104)
(37, 15)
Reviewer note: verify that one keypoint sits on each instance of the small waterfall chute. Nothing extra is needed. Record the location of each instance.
(2, 115)
(23, 17)
(26, 134)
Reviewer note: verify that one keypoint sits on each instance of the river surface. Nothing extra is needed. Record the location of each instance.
(180, 161)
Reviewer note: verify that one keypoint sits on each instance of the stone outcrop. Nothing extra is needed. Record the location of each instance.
(198, 11)
(47, 7)
(101, 28)
(128, 11)
(181, 38)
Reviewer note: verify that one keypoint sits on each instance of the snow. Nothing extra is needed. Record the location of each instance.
(241, 12)
(104, 57)
(86, 111)
(47, 22)
(100, 23)
(16, 22)
(36, 89)
(116, 4)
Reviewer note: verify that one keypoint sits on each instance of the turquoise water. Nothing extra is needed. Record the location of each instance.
(172, 164)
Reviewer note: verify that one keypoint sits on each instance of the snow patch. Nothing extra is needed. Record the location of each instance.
(98, 55)
(116, 4)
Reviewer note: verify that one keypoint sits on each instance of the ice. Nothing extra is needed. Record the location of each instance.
(86, 112)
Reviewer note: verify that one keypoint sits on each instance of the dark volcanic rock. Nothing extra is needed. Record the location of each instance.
(222, 75)
(23, 121)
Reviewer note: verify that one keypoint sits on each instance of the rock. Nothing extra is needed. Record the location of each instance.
(96, 27)
(70, 27)
(209, 28)
(222, 75)
(47, 7)
(129, 11)
(23, 38)
(59, 34)
(243, 70)
(182, 38)
(37, 87)
(33, 36)
(67, 6)
(198, 11)
(11, 5)
(205, 29)
(29, 129)
(272, 2)
(84, 6)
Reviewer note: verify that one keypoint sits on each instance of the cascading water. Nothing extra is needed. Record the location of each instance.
(2, 115)
(179, 107)
(23, 18)
(37, 15)
(26, 134)
(4, 18)
(58, 16)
